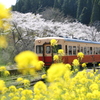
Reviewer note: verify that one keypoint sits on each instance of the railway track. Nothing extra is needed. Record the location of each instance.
(21, 85)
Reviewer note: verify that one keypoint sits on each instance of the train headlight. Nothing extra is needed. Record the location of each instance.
(39, 41)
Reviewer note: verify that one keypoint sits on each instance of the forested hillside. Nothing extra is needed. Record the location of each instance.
(85, 11)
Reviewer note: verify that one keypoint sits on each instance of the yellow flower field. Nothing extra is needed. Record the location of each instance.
(62, 82)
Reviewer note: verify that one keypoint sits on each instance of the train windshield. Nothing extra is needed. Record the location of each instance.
(48, 49)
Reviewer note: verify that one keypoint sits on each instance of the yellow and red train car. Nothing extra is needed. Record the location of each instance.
(71, 47)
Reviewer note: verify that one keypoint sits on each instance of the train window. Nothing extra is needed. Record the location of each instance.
(81, 49)
(48, 49)
(70, 50)
(85, 50)
(56, 48)
(39, 49)
(94, 50)
(90, 50)
(66, 49)
(78, 49)
(74, 50)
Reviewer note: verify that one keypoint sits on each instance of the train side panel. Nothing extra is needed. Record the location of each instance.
(90, 49)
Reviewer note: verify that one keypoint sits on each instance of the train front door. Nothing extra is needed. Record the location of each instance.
(47, 54)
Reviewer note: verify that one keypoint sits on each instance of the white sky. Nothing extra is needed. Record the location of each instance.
(8, 3)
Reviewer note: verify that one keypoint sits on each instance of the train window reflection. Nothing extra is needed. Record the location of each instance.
(97, 50)
(85, 50)
(70, 50)
(48, 49)
(74, 50)
(66, 49)
(78, 49)
(81, 49)
(90, 50)
(39, 49)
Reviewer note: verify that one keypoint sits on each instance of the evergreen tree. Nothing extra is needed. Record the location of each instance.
(85, 11)
(80, 6)
(72, 8)
(95, 11)
(64, 7)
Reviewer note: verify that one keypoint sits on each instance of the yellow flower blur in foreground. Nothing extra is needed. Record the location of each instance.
(61, 52)
(80, 55)
(26, 82)
(55, 71)
(40, 88)
(2, 68)
(55, 57)
(61, 84)
(75, 62)
(12, 88)
(39, 65)
(53, 42)
(4, 14)
(19, 79)
(84, 65)
(6, 73)
(44, 76)
(27, 62)
(2, 85)
(3, 42)
(68, 66)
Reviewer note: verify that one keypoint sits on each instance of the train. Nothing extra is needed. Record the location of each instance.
(71, 47)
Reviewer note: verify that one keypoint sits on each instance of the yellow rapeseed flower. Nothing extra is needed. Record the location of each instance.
(53, 42)
(2, 68)
(12, 88)
(61, 52)
(40, 87)
(84, 65)
(80, 55)
(15, 98)
(26, 82)
(4, 90)
(26, 60)
(55, 71)
(11, 94)
(3, 98)
(99, 64)
(2, 85)
(76, 62)
(55, 57)
(6, 73)
(20, 79)
(39, 65)
(26, 92)
(4, 14)
(94, 86)
(44, 76)
(32, 71)
(23, 98)
(68, 66)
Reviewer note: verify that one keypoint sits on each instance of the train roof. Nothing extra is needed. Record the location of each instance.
(82, 41)
(70, 39)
